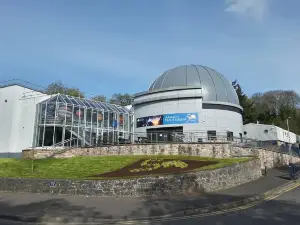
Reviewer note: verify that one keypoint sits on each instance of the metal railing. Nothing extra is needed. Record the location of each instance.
(65, 143)
(176, 138)
(183, 137)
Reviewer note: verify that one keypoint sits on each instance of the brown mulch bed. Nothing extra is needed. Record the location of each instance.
(125, 171)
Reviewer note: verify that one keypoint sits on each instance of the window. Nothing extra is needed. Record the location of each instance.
(211, 135)
(266, 131)
(221, 107)
(229, 136)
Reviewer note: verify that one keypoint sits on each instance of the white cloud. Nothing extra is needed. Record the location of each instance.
(254, 8)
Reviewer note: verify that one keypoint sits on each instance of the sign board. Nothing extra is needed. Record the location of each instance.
(180, 118)
(166, 119)
(149, 121)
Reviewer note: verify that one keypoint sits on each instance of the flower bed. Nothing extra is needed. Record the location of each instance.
(157, 166)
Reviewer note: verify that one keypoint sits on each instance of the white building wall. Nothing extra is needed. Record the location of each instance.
(17, 117)
(264, 132)
(286, 136)
(209, 119)
(257, 132)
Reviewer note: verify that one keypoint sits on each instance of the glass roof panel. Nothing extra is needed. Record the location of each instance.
(87, 103)
(52, 99)
(98, 105)
(104, 105)
(76, 101)
(109, 107)
(95, 104)
(82, 102)
(67, 100)
(117, 108)
(60, 99)
(123, 110)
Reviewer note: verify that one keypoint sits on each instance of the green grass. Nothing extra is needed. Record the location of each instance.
(86, 167)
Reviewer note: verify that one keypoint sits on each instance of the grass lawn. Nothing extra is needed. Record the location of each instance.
(85, 167)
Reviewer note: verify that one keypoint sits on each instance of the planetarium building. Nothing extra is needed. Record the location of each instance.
(190, 102)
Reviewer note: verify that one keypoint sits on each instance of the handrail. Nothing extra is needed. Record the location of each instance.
(63, 142)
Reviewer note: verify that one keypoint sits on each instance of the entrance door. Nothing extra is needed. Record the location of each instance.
(163, 135)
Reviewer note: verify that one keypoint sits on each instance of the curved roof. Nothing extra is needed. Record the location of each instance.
(214, 86)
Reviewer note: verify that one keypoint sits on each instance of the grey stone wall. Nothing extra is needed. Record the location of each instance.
(200, 181)
(216, 150)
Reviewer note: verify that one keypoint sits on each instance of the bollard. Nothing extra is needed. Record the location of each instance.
(265, 168)
(292, 170)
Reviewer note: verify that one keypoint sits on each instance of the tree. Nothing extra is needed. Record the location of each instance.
(121, 99)
(55, 88)
(274, 107)
(99, 98)
(276, 102)
(58, 87)
(246, 103)
(74, 92)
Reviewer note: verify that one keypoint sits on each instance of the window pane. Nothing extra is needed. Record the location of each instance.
(211, 135)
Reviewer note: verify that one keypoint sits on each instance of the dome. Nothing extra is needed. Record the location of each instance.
(214, 86)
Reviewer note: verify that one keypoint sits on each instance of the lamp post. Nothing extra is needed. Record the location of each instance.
(287, 122)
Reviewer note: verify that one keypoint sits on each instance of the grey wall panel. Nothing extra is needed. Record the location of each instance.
(209, 119)
(220, 87)
(193, 78)
(158, 82)
(207, 84)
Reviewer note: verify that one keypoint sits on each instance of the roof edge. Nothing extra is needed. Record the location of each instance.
(23, 86)
(166, 89)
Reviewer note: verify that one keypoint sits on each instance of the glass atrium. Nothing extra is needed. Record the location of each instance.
(69, 121)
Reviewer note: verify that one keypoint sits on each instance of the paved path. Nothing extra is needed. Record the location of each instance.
(72, 207)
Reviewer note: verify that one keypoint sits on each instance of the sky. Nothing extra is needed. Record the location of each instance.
(118, 46)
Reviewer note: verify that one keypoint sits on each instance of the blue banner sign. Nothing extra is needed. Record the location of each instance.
(149, 121)
(180, 118)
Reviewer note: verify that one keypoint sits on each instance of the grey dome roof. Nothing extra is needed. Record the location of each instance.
(214, 86)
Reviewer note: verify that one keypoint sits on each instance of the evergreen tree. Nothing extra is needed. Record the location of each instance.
(246, 103)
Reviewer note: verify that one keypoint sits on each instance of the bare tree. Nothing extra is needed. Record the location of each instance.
(59, 87)
(121, 99)
(99, 98)
(274, 101)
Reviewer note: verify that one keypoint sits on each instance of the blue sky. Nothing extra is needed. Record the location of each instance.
(109, 46)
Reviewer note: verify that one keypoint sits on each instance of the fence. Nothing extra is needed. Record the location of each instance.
(272, 146)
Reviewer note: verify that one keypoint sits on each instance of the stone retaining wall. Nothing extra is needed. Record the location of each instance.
(163, 185)
(222, 150)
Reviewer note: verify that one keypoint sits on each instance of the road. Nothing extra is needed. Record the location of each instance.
(285, 209)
